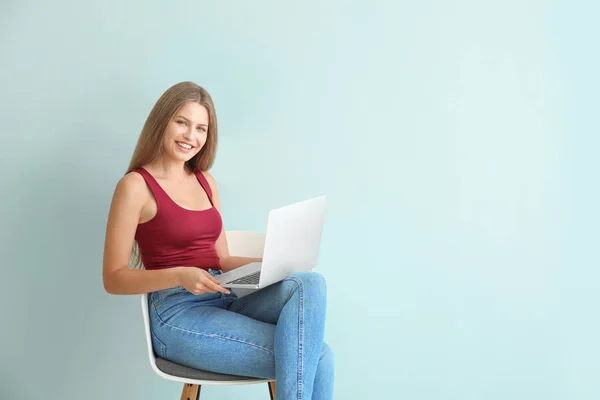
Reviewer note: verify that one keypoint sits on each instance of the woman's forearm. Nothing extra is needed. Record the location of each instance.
(135, 281)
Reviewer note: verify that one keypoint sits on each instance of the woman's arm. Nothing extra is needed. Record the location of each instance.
(125, 210)
(228, 262)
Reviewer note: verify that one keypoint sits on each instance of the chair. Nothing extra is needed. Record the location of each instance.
(240, 243)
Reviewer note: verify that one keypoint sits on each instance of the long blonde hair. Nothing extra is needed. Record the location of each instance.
(150, 143)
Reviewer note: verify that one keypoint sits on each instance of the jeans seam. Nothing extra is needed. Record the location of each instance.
(300, 333)
(214, 335)
(297, 281)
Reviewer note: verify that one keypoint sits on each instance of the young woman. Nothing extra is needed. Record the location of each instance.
(165, 217)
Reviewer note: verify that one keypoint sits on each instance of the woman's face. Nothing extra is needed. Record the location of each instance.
(186, 132)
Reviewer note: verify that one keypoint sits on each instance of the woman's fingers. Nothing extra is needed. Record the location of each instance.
(210, 286)
(213, 279)
(206, 283)
(217, 286)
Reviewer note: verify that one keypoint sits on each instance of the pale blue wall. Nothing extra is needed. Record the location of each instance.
(457, 141)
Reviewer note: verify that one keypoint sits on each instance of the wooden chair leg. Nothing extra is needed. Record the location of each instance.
(272, 389)
(190, 392)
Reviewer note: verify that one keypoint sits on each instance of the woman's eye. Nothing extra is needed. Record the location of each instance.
(201, 129)
(181, 122)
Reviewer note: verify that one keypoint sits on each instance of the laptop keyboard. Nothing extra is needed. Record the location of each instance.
(251, 279)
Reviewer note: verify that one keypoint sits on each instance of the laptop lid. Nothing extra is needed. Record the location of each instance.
(293, 239)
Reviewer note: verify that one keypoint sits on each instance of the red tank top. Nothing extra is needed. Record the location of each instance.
(177, 237)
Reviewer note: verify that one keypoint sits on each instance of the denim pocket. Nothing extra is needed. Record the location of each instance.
(165, 293)
(166, 298)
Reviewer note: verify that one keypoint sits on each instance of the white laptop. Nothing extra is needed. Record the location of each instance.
(292, 244)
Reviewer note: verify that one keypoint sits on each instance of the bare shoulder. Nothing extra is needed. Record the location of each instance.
(132, 187)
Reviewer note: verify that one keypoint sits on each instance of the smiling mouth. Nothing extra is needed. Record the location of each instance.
(184, 145)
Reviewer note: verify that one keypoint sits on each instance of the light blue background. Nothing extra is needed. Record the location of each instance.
(457, 142)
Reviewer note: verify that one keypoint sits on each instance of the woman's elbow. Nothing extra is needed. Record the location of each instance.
(110, 284)
(108, 287)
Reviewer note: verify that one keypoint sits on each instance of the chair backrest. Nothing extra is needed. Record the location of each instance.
(239, 243)
(244, 243)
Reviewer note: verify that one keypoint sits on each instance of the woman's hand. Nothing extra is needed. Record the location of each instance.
(198, 281)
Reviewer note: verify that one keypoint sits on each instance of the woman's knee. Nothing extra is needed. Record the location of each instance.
(312, 280)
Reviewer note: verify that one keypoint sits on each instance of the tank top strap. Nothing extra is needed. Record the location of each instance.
(159, 194)
(204, 182)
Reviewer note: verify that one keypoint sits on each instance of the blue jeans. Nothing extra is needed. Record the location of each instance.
(273, 333)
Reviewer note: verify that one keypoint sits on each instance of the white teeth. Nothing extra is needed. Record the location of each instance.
(185, 146)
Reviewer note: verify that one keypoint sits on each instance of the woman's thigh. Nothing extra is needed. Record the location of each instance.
(266, 304)
(211, 338)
